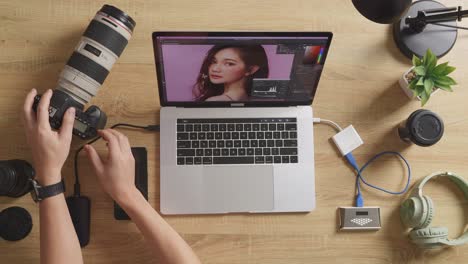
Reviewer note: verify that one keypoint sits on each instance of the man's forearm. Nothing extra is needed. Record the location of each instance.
(169, 247)
(59, 243)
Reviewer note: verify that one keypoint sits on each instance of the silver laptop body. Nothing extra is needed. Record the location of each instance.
(219, 154)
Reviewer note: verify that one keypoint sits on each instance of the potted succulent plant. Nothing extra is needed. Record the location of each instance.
(426, 77)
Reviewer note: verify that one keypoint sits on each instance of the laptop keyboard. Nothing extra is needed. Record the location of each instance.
(236, 141)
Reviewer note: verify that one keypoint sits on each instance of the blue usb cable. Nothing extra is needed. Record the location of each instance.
(353, 139)
(352, 161)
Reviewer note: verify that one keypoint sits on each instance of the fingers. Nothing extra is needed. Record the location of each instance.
(29, 117)
(112, 142)
(67, 124)
(94, 159)
(123, 141)
(43, 109)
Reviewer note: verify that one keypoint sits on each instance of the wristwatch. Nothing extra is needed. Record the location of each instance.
(39, 193)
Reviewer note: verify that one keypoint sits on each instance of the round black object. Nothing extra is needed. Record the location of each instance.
(382, 11)
(120, 15)
(15, 177)
(15, 223)
(423, 127)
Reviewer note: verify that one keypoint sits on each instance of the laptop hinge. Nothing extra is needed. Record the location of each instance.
(236, 105)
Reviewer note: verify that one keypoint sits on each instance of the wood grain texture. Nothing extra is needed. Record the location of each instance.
(358, 86)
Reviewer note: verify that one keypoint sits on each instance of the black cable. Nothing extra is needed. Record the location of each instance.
(77, 179)
(450, 26)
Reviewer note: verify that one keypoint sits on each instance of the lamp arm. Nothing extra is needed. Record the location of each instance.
(425, 17)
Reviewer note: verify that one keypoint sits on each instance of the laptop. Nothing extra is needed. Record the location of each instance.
(236, 120)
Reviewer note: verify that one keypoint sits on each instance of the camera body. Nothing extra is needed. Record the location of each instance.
(86, 122)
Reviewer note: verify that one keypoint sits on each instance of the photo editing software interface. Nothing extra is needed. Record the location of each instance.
(240, 68)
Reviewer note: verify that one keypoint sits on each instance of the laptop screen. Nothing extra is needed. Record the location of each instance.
(239, 68)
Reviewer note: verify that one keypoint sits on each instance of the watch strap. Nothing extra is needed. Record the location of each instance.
(51, 190)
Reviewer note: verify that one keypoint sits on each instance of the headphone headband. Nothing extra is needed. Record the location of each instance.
(459, 181)
(457, 241)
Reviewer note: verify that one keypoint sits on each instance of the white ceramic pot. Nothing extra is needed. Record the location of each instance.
(404, 84)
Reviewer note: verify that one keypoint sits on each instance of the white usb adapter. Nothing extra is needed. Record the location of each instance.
(347, 140)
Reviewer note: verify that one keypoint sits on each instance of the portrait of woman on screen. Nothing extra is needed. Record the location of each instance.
(227, 72)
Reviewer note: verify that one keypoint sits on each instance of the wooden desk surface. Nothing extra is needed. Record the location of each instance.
(358, 86)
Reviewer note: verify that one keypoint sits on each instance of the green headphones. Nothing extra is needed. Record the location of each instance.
(417, 212)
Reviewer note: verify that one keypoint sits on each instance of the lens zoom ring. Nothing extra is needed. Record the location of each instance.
(106, 36)
(88, 67)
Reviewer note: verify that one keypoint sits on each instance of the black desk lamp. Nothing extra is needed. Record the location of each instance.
(425, 24)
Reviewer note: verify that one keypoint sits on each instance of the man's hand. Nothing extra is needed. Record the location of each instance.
(116, 173)
(49, 148)
(117, 176)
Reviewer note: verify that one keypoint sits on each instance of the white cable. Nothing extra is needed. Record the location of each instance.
(328, 122)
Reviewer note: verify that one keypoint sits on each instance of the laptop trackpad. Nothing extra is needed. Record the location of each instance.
(238, 188)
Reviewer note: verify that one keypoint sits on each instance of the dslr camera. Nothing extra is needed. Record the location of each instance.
(100, 46)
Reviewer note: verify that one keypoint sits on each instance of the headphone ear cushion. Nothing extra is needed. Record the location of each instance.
(413, 212)
(429, 232)
(428, 237)
(430, 211)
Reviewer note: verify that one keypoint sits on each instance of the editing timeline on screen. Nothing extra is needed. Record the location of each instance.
(263, 68)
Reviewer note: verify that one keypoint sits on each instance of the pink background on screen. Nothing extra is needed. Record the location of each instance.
(182, 64)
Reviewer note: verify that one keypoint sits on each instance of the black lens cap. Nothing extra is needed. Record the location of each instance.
(15, 223)
(425, 127)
